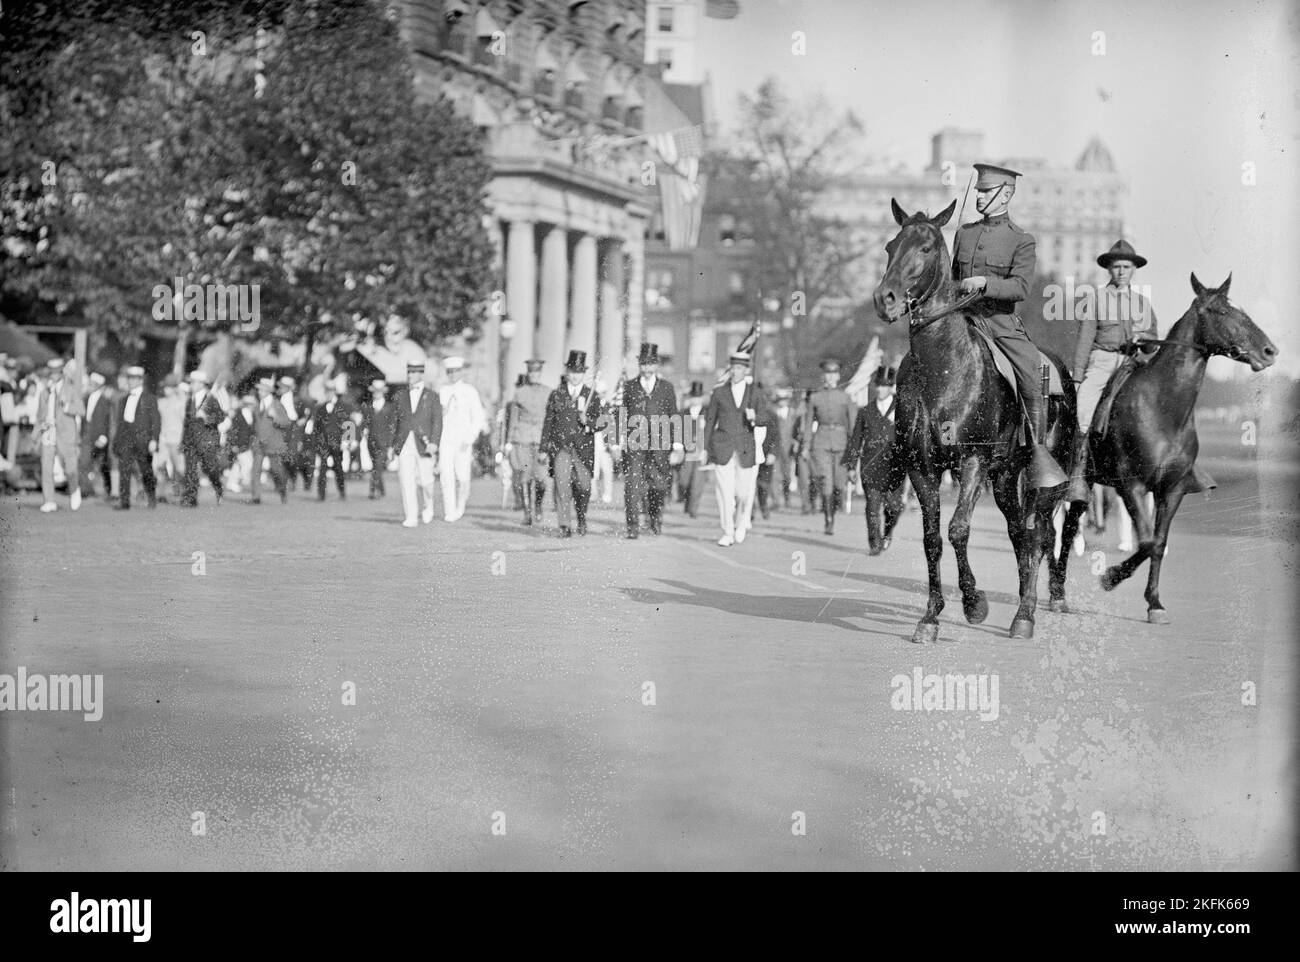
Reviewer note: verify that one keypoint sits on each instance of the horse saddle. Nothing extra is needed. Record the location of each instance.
(1008, 372)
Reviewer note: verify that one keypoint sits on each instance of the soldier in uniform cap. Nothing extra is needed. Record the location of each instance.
(833, 414)
(569, 444)
(523, 430)
(646, 479)
(995, 257)
(870, 450)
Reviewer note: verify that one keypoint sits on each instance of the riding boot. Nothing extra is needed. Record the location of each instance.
(1078, 489)
(1044, 472)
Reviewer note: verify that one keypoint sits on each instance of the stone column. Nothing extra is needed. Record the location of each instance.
(553, 303)
(582, 335)
(521, 295)
(492, 347)
(611, 345)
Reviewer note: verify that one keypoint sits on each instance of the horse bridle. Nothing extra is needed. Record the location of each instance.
(917, 320)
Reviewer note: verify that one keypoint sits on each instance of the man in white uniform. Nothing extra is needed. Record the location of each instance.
(463, 420)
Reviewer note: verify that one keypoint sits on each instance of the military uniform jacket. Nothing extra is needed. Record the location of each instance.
(833, 412)
(661, 402)
(872, 443)
(561, 429)
(996, 249)
(526, 413)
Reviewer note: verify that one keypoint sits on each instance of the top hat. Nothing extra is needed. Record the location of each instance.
(991, 175)
(697, 389)
(884, 377)
(830, 365)
(1121, 250)
(649, 354)
(577, 361)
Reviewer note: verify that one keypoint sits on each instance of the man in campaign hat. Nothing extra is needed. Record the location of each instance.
(523, 432)
(649, 404)
(833, 414)
(869, 452)
(995, 257)
(1113, 325)
(568, 444)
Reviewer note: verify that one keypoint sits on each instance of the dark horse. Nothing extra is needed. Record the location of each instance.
(956, 413)
(1150, 442)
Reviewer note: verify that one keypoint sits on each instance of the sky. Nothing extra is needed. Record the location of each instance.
(1194, 90)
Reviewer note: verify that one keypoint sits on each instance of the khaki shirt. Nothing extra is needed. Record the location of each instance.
(1109, 320)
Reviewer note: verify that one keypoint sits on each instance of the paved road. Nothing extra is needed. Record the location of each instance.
(501, 678)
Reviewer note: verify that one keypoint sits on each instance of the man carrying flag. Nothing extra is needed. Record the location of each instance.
(734, 410)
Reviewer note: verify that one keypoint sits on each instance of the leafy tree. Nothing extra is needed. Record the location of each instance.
(276, 144)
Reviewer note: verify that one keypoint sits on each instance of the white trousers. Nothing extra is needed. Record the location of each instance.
(410, 467)
(454, 466)
(734, 487)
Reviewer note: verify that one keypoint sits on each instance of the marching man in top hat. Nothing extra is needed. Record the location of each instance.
(997, 258)
(646, 453)
(734, 410)
(573, 416)
(1113, 324)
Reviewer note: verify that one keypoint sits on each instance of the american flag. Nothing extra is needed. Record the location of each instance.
(748, 345)
(859, 386)
(680, 188)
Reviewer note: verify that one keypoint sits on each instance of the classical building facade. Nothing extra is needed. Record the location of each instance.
(563, 94)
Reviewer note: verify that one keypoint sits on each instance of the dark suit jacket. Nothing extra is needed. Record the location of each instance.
(726, 429)
(99, 424)
(271, 429)
(379, 425)
(561, 429)
(425, 422)
(660, 402)
(132, 440)
(872, 443)
(240, 436)
(327, 429)
(200, 428)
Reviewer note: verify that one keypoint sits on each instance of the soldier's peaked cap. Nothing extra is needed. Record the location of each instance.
(991, 175)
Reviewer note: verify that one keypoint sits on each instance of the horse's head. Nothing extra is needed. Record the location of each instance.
(1226, 330)
(918, 262)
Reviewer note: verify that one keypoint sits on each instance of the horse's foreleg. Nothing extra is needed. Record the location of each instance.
(1061, 559)
(1134, 497)
(1166, 508)
(927, 492)
(973, 603)
(1006, 492)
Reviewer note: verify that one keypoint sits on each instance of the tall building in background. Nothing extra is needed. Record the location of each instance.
(562, 93)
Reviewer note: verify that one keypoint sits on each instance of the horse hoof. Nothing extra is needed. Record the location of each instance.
(1109, 579)
(976, 608)
(1057, 604)
(1157, 616)
(925, 634)
(1022, 628)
